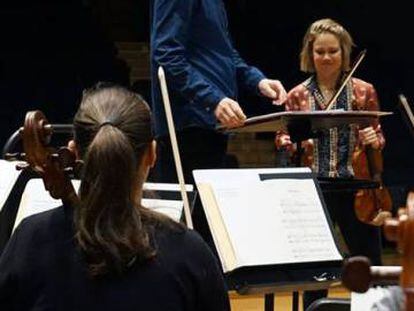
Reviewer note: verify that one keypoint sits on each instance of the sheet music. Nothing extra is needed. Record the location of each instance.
(8, 177)
(36, 199)
(274, 221)
(171, 208)
(166, 187)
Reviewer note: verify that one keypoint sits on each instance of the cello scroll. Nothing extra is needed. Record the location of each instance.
(358, 275)
(54, 166)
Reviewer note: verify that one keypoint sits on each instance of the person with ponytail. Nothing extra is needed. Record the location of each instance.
(108, 252)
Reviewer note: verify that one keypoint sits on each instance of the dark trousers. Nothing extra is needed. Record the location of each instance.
(199, 149)
(361, 239)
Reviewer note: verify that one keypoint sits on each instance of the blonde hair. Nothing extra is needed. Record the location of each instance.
(321, 26)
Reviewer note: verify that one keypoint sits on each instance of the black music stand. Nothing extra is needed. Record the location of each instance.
(303, 125)
(260, 278)
(286, 278)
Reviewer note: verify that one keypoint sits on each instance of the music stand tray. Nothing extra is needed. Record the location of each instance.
(315, 120)
(328, 184)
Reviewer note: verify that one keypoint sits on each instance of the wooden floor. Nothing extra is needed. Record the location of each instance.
(283, 301)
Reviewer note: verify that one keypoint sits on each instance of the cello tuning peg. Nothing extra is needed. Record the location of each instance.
(17, 156)
(48, 129)
(22, 166)
(54, 156)
(11, 156)
(68, 170)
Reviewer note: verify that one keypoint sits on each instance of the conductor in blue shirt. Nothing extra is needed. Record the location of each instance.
(190, 40)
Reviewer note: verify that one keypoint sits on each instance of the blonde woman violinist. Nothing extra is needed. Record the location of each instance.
(326, 56)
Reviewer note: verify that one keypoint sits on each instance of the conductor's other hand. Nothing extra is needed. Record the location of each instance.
(274, 90)
(229, 113)
(368, 136)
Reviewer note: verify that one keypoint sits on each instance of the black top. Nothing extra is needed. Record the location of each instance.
(42, 269)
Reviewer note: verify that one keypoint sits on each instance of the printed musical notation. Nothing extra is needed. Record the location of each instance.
(272, 221)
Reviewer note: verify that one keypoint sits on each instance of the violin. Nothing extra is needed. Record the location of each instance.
(372, 206)
(358, 275)
(54, 166)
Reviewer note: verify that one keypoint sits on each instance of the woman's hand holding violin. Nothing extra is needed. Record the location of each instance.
(368, 136)
(282, 140)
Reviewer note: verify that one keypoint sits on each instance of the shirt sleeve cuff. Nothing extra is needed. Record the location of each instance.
(256, 77)
(212, 100)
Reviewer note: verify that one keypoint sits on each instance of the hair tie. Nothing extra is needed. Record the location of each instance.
(107, 122)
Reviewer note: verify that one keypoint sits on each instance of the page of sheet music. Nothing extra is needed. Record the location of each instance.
(36, 199)
(274, 221)
(8, 177)
(171, 208)
(165, 187)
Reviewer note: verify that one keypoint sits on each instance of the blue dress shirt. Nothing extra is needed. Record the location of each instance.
(190, 40)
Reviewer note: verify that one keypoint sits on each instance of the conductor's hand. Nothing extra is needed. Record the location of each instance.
(368, 136)
(229, 113)
(274, 90)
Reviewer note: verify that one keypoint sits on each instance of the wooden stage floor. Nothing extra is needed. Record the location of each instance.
(283, 300)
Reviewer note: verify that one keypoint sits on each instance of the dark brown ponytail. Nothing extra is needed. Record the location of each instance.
(113, 132)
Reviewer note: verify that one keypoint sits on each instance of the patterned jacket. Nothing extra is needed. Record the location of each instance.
(338, 152)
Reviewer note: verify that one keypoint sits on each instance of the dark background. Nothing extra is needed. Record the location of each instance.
(51, 50)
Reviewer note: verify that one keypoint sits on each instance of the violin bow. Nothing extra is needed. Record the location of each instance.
(348, 76)
(408, 112)
(176, 153)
